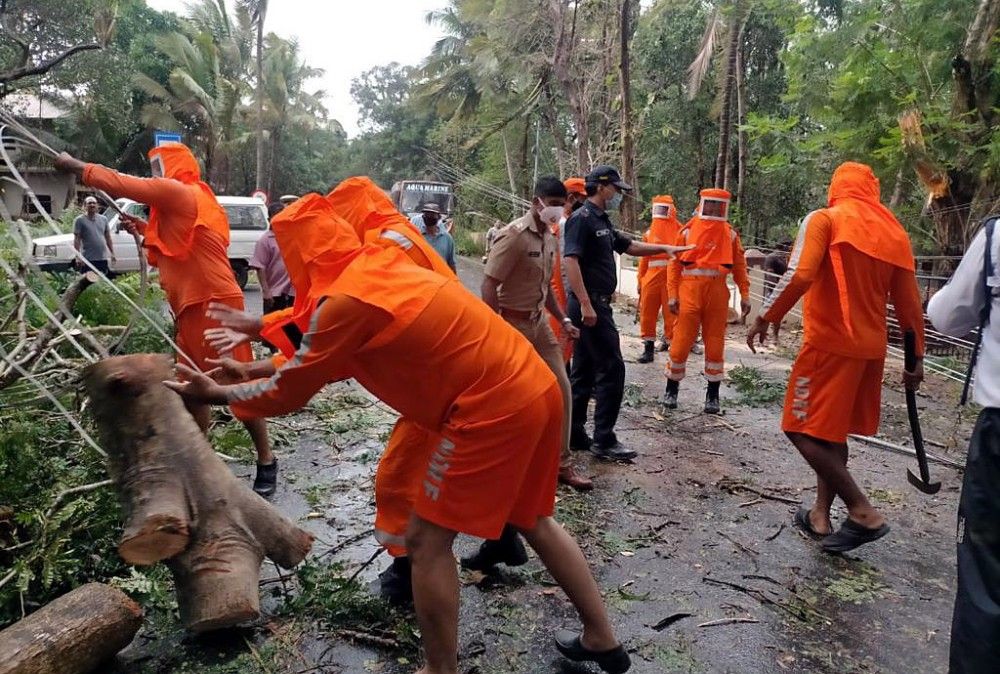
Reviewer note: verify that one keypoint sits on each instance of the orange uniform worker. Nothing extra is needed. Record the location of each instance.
(653, 297)
(699, 295)
(186, 239)
(848, 258)
(576, 194)
(492, 401)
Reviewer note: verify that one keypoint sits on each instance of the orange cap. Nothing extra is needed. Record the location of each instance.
(575, 186)
(715, 193)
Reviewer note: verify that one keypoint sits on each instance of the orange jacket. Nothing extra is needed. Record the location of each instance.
(188, 233)
(664, 228)
(387, 323)
(848, 258)
(723, 254)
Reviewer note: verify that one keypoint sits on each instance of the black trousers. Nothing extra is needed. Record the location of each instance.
(598, 370)
(975, 627)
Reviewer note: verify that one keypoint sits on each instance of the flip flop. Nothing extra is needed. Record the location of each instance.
(614, 661)
(802, 522)
(851, 535)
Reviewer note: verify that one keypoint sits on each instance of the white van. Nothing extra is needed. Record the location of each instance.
(247, 223)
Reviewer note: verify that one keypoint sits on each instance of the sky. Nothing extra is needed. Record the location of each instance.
(346, 38)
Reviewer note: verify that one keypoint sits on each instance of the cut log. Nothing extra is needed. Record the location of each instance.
(71, 635)
(182, 503)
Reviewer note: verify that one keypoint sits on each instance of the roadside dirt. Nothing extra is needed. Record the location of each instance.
(692, 544)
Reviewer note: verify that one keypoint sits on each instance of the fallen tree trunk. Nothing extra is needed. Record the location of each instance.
(182, 503)
(71, 635)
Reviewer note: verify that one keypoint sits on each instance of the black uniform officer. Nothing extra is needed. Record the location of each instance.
(598, 368)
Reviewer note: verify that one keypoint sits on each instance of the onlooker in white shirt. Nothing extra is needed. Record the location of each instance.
(956, 310)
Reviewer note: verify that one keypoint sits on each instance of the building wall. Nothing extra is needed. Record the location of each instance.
(54, 190)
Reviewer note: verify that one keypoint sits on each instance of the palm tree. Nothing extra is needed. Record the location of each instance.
(257, 9)
(205, 88)
(725, 24)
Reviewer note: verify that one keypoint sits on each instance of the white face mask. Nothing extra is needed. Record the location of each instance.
(550, 215)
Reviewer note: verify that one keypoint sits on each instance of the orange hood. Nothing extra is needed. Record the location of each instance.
(861, 221)
(178, 163)
(575, 186)
(364, 205)
(316, 244)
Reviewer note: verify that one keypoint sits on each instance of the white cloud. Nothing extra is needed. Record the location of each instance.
(347, 38)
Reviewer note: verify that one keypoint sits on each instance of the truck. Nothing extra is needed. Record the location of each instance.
(247, 224)
(410, 195)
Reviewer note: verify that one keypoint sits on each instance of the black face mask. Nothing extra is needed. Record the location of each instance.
(575, 206)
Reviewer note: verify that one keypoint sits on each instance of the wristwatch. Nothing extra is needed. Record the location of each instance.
(567, 319)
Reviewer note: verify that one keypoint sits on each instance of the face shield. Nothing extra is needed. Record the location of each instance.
(714, 208)
(662, 211)
(156, 166)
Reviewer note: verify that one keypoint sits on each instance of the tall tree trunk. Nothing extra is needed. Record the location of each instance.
(741, 136)
(725, 117)
(551, 118)
(562, 66)
(629, 215)
(260, 100)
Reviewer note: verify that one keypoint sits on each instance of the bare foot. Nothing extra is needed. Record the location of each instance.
(820, 523)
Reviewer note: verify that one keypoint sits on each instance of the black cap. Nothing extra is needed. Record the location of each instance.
(606, 175)
(430, 207)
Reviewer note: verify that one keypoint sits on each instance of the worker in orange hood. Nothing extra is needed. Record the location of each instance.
(653, 277)
(186, 238)
(699, 295)
(847, 260)
(576, 192)
(492, 401)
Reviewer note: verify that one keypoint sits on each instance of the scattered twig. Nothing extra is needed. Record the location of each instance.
(670, 620)
(369, 638)
(347, 542)
(906, 451)
(728, 621)
(74, 490)
(750, 503)
(357, 572)
(776, 533)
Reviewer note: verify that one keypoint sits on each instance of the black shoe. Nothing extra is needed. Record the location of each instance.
(670, 395)
(508, 549)
(647, 353)
(712, 405)
(613, 452)
(615, 661)
(266, 480)
(396, 582)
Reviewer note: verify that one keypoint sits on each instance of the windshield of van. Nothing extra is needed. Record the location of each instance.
(246, 216)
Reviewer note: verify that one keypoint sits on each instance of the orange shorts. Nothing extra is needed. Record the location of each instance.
(484, 473)
(189, 333)
(398, 480)
(830, 396)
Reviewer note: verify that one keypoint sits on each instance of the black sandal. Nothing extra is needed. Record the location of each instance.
(802, 522)
(851, 535)
(614, 661)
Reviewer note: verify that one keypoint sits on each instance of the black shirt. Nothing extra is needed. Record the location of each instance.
(593, 241)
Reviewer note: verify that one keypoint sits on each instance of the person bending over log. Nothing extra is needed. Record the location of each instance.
(186, 238)
(427, 347)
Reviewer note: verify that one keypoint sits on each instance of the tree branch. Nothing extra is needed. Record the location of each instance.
(29, 71)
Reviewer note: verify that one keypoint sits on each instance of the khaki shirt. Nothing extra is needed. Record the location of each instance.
(521, 259)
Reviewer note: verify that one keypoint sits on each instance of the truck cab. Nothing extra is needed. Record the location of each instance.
(410, 195)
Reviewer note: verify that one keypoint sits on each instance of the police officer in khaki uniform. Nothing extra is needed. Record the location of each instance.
(517, 285)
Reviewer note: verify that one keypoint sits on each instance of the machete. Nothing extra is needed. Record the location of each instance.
(923, 483)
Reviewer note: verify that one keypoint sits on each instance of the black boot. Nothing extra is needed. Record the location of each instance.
(670, 396)
(266, 480)
(647, 354)
(396, 582)
(508, 549)
(712, 405)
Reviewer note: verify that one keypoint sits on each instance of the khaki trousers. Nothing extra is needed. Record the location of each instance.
(542, 338)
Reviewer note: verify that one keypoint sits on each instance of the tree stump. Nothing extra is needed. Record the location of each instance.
(72, 634)
(182, 503)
